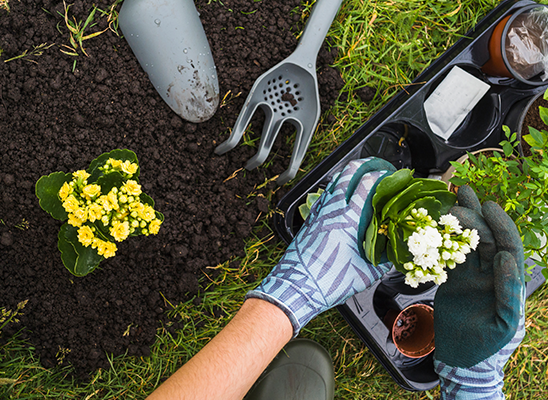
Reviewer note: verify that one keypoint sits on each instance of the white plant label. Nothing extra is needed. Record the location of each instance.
(452, 101)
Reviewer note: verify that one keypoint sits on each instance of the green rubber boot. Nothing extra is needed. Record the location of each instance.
(303, 370)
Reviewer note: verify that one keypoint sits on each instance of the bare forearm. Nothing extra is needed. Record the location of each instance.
(229, 365)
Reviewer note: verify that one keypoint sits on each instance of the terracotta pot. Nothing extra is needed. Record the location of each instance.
(496, 66)
(498, 63)
(412, 330)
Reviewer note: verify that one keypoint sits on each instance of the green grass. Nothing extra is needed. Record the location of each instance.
(385, 45)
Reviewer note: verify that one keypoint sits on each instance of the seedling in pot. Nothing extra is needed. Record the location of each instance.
(518, 184)
(103, 205)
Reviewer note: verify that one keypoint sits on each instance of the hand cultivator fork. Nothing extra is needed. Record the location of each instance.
(288, 92)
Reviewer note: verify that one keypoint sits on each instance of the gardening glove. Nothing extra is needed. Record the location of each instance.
(325, 265)
(479, 313)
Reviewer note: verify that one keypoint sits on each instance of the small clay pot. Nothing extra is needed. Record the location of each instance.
(496, 66)
(412, 330)
(498, 63)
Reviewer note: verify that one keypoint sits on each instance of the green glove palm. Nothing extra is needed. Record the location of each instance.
(477, 312)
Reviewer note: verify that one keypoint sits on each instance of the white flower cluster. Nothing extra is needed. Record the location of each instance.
(435, 246)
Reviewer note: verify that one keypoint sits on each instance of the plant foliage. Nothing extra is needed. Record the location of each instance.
(103, 205)
(394, 200)
(518, 183)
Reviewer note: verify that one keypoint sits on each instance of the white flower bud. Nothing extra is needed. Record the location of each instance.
(408, 266)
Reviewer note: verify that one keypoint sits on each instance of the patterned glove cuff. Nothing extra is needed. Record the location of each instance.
(482, 381)
(295, 303)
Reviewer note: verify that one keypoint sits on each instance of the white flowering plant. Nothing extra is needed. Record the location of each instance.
(102, 205)
(411, 225)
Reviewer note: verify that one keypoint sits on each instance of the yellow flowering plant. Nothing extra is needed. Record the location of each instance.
(102, 205)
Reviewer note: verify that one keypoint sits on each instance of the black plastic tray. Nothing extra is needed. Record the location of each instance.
(400, 133)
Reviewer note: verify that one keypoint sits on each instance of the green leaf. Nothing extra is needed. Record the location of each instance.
(506, 131)
(535, 242)
(311, 198)
(401, 200)
(526, 239)
(47, 189)
(458, 181)
(304, 210)
(159, 215)
(508, 149)
(473, 158)
(117, 154)
(389, 187)
(543, 112)
(103, 231)
(107, 182)
(419, 188)
(79, 260)
(524, 195)
(430, 203)
(396, 250)
(537, 139)
(371, 235)
(447, 200)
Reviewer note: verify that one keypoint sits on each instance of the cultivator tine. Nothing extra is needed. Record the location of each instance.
(270, 132)
(302, 140)
(239, 128)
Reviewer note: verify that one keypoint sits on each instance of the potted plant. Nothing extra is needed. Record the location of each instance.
(411, 226)
(517, 182)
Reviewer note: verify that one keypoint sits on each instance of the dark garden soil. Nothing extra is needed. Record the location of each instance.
(54, 118)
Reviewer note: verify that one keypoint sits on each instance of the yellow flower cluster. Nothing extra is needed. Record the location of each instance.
(126, 167)
(121, 208)
(87, 238)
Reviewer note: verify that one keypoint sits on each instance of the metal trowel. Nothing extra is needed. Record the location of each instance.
(168, 39)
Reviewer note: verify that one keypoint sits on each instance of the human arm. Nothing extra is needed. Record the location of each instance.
(227, 367)
(322, 267)
(479, 313)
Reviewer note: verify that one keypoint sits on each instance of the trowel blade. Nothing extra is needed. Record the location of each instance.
(168, 39)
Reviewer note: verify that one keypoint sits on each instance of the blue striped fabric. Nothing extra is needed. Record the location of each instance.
(483, 381)
(323, 267)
